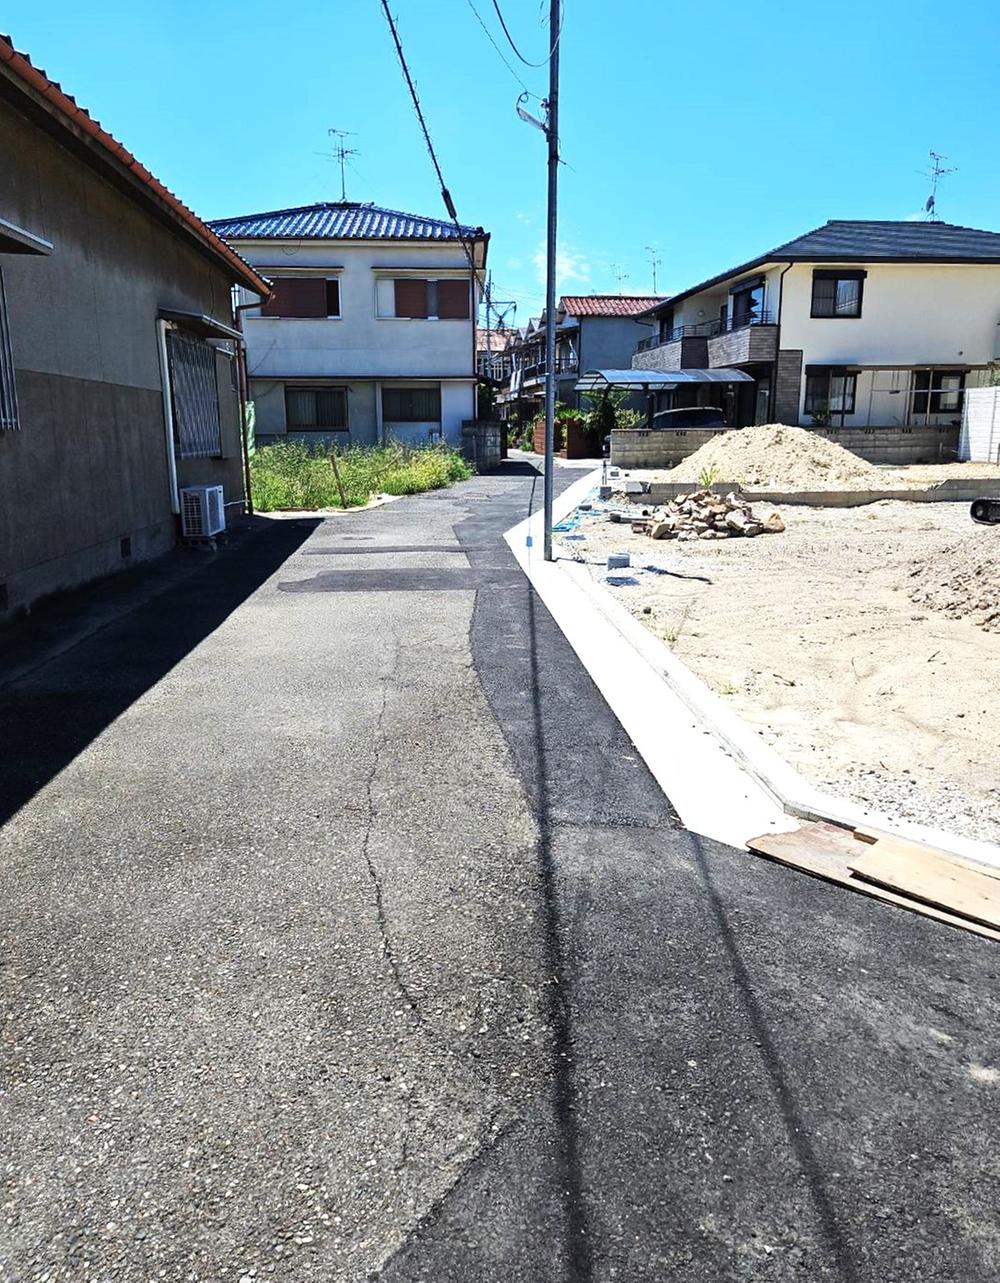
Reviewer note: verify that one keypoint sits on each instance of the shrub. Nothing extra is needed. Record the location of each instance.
(292, 474)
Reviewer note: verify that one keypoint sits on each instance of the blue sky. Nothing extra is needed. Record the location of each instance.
(710, 132)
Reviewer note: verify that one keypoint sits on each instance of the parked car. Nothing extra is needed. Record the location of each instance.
(693, 416)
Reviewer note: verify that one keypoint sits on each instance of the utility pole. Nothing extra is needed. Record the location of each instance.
(341, 153)
(552, 134)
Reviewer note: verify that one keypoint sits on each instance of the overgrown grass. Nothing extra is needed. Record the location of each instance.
(291, 474)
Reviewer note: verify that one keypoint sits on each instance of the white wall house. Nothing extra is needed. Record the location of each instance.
(854, 325)
(371, 333)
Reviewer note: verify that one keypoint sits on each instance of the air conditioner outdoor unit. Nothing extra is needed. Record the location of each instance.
(203, 513)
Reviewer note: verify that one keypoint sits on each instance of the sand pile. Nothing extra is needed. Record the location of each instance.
(963, 580)
(779, 456)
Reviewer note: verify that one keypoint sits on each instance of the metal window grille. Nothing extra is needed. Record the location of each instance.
(8, 391)
(196, 397)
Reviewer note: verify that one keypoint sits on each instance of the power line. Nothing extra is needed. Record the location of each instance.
(449, 204)
(503, 57)
(510, 39)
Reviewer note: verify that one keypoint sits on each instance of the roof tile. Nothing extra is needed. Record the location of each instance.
(342, 220)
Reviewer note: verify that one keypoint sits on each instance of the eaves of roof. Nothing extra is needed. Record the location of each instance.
(799, 250)
(104, 150)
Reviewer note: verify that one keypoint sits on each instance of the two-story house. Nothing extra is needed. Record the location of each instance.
(857, 324)
(370, 333)
(593, 331)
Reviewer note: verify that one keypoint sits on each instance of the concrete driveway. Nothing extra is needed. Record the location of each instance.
(345, 936)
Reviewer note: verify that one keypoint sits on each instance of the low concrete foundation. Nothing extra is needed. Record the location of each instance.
(959, 490)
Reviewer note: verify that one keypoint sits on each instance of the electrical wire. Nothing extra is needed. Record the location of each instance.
(510, 38)
(503, 57)
(449, 204)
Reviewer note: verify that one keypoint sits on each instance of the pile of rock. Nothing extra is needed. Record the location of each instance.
(706, 515)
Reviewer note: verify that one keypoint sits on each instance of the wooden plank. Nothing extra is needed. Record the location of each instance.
(865, 834)
(932, 879)
(826, 851)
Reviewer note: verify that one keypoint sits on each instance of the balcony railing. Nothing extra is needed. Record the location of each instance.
(564, 365)
(704, 330)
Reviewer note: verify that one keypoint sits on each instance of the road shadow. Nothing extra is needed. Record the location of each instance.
(795, 1123)
(49, 715)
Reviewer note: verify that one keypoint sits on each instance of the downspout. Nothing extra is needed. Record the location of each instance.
(777, 345)
(168, 416)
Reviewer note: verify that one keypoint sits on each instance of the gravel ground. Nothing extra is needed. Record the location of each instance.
(813, 638)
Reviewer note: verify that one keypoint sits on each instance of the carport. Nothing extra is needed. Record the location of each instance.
(651, 382)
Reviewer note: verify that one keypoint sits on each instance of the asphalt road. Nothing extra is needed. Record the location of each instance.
(344, 936)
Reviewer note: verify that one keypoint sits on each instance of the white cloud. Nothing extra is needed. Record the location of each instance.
(915, 218)
(572, 267)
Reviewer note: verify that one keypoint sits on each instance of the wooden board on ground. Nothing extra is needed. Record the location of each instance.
(828, 851)
(869, 836)
(933, 879)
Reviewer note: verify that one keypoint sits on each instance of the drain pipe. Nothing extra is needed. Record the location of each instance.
(777, 344)
(168, 415)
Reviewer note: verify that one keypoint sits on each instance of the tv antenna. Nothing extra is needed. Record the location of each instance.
(654, 262)
(341, 153)
(937, 172)
(620, 274)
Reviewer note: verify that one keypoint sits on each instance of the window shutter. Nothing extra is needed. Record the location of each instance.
(297, 296)
(411, 298)
(453, 300)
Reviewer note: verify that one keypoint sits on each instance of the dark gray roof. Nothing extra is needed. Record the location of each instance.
(342, 220)
(870, 241)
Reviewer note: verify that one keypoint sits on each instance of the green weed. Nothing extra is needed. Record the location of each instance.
(293, 474)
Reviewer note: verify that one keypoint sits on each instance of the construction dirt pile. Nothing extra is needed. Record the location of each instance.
(777, 456)
(962, 581)
(705, 515)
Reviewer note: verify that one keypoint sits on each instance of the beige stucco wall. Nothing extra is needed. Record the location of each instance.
(88, 466)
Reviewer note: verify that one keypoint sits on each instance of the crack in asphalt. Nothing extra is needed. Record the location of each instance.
(385, 934)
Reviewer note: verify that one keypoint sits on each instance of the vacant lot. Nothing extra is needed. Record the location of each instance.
(814, 639)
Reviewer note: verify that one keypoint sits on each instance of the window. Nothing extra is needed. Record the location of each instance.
(315, 409)
(8, 391)
(830, 389)
(195, 394)
(412, 405)
(837, 293)
(452, 300)
(747, 305)
(303, 296)
(938, 391)
(417, 300)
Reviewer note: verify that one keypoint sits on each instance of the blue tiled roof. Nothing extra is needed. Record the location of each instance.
(869, 241)
(342, 220)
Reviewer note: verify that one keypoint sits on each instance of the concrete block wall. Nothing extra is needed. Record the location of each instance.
(901, 446)
(482, 443)
(641, 448)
